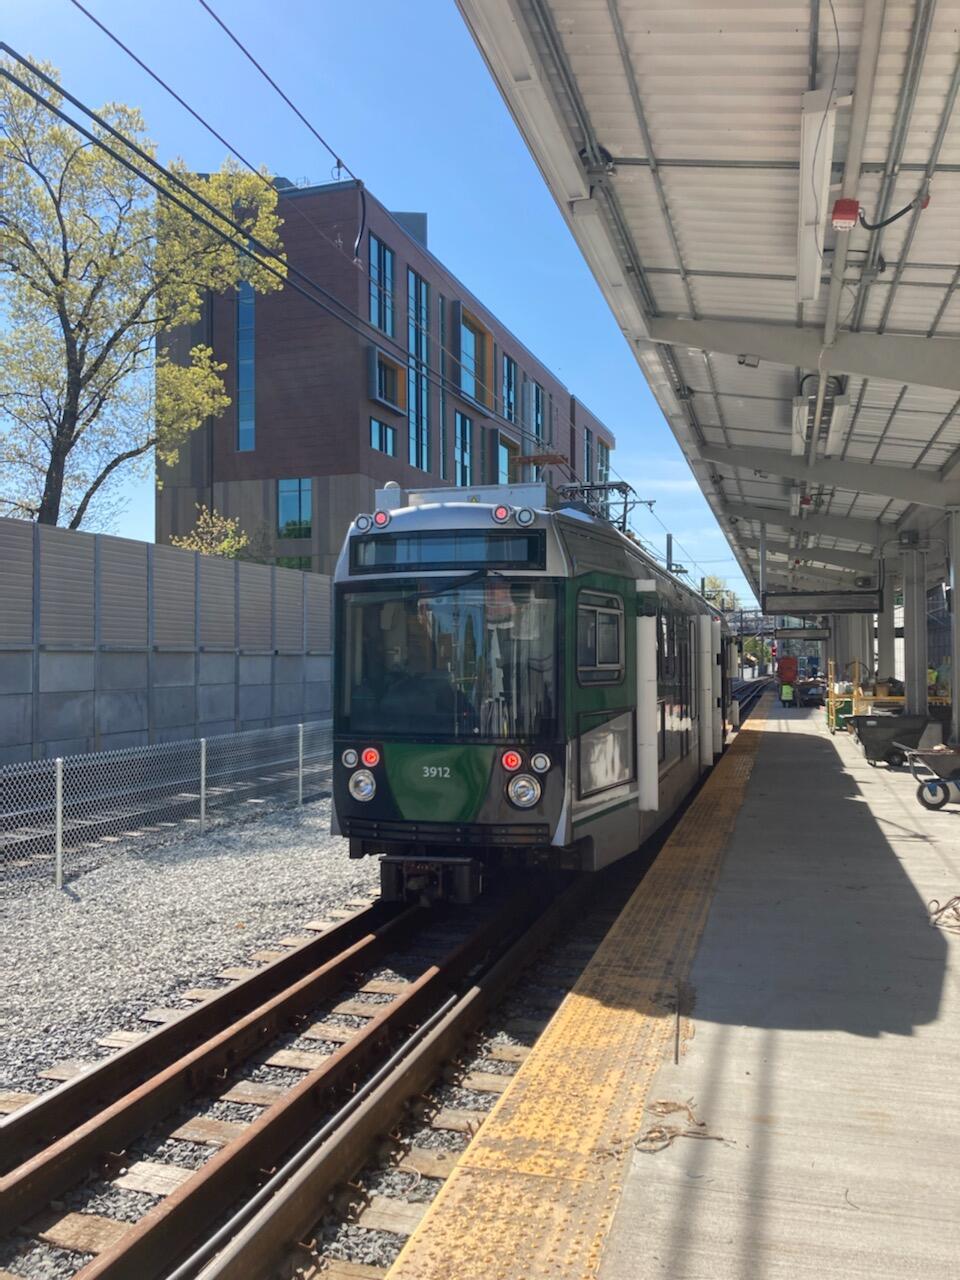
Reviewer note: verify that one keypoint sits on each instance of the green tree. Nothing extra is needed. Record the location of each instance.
(215, 535)
(95, 274)
(716, 590)
(757, 648)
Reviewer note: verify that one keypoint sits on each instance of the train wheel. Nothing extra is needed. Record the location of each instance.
(933, 794)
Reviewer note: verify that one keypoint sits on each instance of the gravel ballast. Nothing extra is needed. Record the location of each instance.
(91, 958)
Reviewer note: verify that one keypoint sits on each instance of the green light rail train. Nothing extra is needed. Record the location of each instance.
(516, 683)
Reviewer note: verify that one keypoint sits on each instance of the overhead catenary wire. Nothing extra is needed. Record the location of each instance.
(204, 123)
(442, 350)
(356, 261)
(300, 116)
(250, 246)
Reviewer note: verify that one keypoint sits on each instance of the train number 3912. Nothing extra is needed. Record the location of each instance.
(436, 771)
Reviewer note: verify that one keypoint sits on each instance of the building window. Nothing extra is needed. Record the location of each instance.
(442, 334)
(508, 456)
(473, 360)
(381, 285)
(294, 562)
(588, 455)
(603, 463)
(463, 450)
(508, 389)
(388, 382)
(538, 414)
(246, 425)
(539, 411)
(293, 508)
(418, 361)
(383, 437)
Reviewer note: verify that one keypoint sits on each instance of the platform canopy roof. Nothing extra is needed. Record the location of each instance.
(697, 149)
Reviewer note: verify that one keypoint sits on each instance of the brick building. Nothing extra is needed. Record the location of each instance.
(432, 390)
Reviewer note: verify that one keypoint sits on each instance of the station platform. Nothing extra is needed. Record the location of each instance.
(756, 1077)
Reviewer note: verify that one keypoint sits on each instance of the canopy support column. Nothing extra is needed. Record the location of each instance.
(953, 555)
(915, 630)
(886, 631)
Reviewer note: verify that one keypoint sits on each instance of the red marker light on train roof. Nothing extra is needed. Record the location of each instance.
(381, 519)
(511, 761)
(370, 757)
(501, 514)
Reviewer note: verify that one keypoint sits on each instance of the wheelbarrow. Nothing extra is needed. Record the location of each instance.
(883, 737)
(944, 763)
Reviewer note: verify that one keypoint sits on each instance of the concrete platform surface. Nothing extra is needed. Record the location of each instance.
(812, 1124)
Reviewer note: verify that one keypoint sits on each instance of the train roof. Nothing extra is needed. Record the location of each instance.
(570, 508)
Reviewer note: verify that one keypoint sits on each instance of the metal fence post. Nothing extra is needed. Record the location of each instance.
(58, 824)
(299, 764)
(203, 785)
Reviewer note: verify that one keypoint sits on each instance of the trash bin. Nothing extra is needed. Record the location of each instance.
(883, 735)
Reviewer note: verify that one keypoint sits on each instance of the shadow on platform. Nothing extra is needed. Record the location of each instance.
(815, 922)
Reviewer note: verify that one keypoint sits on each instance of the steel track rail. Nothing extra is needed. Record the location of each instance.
(57, 1112)
(30, 1187)
(254, 1242)
(153, 1245)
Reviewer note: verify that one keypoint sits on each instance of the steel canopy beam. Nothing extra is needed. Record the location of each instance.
(926, 489)
(931, 362)
(823, 555)
(868, 532)
(838, 577)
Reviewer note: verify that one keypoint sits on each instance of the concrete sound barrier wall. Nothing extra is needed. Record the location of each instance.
(106, 642)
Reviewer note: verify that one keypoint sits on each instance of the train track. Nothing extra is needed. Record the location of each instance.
(748, 694)
(346, 1088)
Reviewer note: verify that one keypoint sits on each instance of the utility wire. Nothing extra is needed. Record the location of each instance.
(356, 260)
(441, 349)
(250, 246)
(300, 116)
(270, 80)
(363, 328)
(111, 35)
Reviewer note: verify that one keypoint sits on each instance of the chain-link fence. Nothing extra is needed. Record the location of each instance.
(59, 817)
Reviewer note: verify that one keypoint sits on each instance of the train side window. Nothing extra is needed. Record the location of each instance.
(599, 638)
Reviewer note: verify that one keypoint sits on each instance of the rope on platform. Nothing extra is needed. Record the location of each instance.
(946, 917)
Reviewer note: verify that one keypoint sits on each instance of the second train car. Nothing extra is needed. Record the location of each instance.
(517, 682)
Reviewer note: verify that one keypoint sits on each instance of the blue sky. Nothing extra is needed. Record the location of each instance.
(401, 91)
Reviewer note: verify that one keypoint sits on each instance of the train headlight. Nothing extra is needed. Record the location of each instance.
(525, 516)
(524, 791)
(362, 785)
(362, 524)
(349, 758)
(381, 519)
(540, 762)
(501, 514)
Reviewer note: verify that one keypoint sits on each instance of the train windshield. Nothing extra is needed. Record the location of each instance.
(477, 660)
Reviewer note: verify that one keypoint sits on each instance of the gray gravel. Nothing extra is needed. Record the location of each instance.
(424, 1135)
(110, 1201)
(401, 1185)
(345, 1240)
(40, 1261)
(186, 1155)
(139, 930)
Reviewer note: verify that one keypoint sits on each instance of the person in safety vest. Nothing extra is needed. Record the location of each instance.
(786, 695)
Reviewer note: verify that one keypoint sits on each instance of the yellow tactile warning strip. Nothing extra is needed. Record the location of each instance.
(534, 1194)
